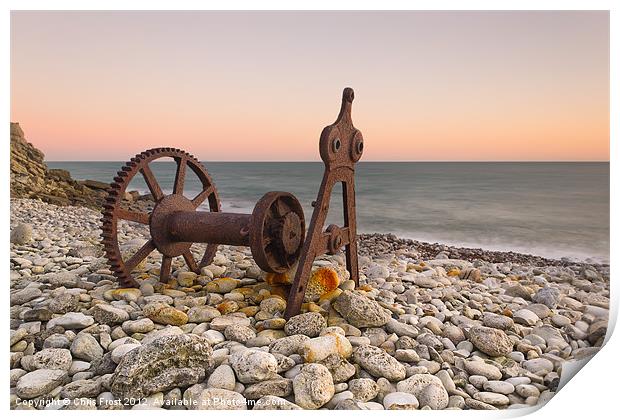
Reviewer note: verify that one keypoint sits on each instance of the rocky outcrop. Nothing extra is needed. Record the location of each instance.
(31, 178)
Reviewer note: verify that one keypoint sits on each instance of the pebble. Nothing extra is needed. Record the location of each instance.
(71, 320)
(221, 322)
(402, 329)
(213, 337)
(275, 387)
(518, 290)
(120, 351)
(147, 289)
(481, 368)
(14, 375)
(141, 326)
(186, 278)
(222, 285)
(55, 359)
(491, 341)
(375, 271)
(539, 309)
(560, 321)
(63, 303)
(288, 345)
(378, 363)
(309, 324)
(499, 387)
(39, 382)
(360, 311)
(78, 366)
(319, 348)
(83, 388)
(492, 398)
(421, 309)
(239, 333)
(58, 341)
(538, 366)
(527, 390)
(161, 313)
(252, 365)
(223, 377)
(433, 396)
(127, 294)
(21, 234)
(400, 401)
(525, 317)
(363, 389)
(407, 355)
(313, 386)
(548, 296)
(86, 347)
(478, 381)
(109, 315)
(25, 295)
(427, 388)
(202, 314)
(498, 321)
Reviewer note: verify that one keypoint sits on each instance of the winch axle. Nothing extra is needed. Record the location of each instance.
(207, 227)
(274, 231)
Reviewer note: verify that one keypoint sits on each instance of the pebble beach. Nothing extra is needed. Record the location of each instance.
(429, 326)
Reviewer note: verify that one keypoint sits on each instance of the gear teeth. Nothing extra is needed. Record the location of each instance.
(109, 237)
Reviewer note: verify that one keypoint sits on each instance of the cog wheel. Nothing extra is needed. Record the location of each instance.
(279, 232)
(113, 211)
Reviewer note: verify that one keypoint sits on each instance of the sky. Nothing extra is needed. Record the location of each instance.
(260, 86)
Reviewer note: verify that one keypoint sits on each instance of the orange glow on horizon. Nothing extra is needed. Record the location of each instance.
(438, 86)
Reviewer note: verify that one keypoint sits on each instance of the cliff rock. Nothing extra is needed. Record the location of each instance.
(31, 178)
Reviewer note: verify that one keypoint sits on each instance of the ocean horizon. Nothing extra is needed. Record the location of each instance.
(551, 209)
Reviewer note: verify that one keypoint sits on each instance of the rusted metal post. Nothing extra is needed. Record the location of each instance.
(341, 145)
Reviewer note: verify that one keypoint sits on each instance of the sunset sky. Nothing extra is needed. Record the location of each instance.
(262, 85)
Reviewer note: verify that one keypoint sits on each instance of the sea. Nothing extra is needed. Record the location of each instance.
(555, 210)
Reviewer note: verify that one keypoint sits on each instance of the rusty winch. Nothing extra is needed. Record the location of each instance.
(275, 231)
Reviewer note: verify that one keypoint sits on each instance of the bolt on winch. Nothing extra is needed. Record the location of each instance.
(275, 231)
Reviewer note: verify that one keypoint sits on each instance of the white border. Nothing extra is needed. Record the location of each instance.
(592, 394)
